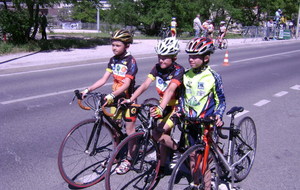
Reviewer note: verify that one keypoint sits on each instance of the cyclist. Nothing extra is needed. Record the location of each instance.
(222, 33)
(208, 29)
(168, 76)
(173, 27)
(122, 66)
(203, 93)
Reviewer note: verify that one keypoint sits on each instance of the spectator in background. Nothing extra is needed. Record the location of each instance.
(197, 25)
(292, 28)
(283, 21)
(277, 16)
(269, 26)
(43, 25)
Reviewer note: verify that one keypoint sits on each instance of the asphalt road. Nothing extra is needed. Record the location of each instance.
(36, 115)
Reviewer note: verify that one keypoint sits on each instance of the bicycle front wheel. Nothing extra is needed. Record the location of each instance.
(144, 164)
(182, 176)
(244, 148)
(81, 163)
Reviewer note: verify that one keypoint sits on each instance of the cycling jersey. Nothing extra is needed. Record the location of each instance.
(173, 24)
(173, 28)
(204, 94)
(222, 30)
(121, 67)
(164, 77)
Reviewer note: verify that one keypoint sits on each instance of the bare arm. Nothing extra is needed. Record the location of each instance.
(100, 82)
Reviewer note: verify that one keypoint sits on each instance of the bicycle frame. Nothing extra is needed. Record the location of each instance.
(227, 160)
(97, 129)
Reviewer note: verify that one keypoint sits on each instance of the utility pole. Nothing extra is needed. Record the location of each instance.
(297, 28)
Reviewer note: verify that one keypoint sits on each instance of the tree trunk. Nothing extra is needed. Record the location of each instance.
(5, 4)
(36, 21)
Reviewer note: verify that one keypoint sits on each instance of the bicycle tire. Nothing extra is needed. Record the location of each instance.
(225, 43)
(134, 178)
(77, 167)
(181, 176)
(248, 135)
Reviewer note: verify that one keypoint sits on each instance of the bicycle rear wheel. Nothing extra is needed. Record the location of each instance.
(182, 176)
(244, 143)
(225, 43)
(143, 170)
(80, 167)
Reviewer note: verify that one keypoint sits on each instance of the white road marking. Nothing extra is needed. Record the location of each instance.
(282, 93)
(271, 55)
(42, 95)
(262, 102)
(296, 87)
(83, 65)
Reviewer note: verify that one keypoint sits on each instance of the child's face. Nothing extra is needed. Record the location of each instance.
(197, 60)
(165, 61)
(118, 47)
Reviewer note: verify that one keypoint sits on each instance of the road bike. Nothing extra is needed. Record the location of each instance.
(143, 152)
(164, 33)
(87, 147)
(211, 164)
(221, 44)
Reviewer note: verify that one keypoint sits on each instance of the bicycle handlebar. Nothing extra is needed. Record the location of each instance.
(207, 120)
(97, 96)
(79, 100)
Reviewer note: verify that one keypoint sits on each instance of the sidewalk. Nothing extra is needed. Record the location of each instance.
(49, 59)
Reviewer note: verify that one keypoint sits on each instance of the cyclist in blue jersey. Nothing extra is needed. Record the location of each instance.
(203, 93)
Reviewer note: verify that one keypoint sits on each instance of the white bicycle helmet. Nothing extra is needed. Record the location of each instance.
(222, 22)
(200, 46)
(168, 46)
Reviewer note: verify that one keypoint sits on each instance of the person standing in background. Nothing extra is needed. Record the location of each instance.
(197, 25)
(43, 25)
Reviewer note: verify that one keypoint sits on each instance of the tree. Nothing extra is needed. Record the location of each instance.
(85, 11)
(28, 24)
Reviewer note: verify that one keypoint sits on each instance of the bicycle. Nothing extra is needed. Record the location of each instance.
(164, 33)
(214, 165)
(86, 148)
(144, 162)
(221, 44)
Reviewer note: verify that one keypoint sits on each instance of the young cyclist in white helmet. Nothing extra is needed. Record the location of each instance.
(168, 76)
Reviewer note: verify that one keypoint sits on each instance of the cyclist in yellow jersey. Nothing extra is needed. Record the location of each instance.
(203, 93)
(167, 75)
